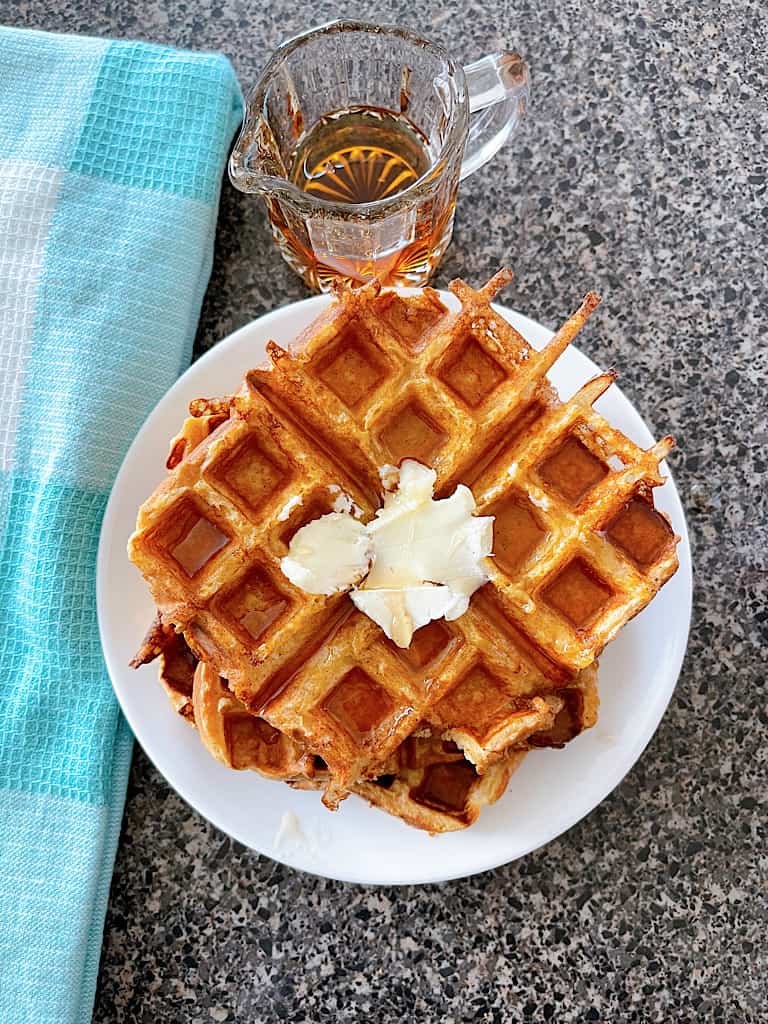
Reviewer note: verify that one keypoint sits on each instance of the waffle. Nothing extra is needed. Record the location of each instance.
(205, 415)
(429, 783)
(432, 786)
(579, 547)
(577, 707)
(241, 740)
(500, 720)
(176, 664)
(233, 736)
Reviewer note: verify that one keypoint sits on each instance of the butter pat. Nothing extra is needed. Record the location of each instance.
(424, 559)
(400, 612)
(428, 556)
(328, 555)
(419, 540)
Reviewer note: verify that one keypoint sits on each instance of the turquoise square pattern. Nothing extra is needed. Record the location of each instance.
(58, 716)
(55, 868)
(158, 120)
(137, 138)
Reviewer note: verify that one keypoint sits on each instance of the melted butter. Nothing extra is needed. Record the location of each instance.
(426, 557)
(402, 623)
(400, 612)
(328, 555)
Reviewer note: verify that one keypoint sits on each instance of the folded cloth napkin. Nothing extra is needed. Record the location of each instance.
(111, 159)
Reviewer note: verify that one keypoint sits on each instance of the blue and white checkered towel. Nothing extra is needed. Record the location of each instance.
(111, 157)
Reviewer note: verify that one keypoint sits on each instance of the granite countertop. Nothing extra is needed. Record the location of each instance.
(638, 174)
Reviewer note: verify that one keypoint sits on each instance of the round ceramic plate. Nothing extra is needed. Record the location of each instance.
(551, 791)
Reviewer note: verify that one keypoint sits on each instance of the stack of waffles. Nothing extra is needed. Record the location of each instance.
(307, 689)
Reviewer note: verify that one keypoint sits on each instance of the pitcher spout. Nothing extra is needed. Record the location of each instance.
(255, 164)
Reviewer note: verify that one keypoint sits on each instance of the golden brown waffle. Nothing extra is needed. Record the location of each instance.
(205, 415)
(579, 548)
(236, 738)
(432, 786)
(428, 783)
(176, 664)
(579, 705)
(500, 719)
(239, 739)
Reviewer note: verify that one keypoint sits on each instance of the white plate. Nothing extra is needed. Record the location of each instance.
(552, 790)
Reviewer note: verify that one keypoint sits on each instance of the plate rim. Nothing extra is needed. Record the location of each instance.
(633, 753)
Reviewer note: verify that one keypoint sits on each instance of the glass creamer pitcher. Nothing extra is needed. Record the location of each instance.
(357, 136)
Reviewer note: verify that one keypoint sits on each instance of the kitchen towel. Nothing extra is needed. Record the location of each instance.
(111, 161)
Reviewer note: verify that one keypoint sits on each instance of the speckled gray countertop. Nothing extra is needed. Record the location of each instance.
(641, 173)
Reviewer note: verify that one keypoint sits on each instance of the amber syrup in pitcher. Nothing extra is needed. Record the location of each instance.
(360, 155)
(351, 157)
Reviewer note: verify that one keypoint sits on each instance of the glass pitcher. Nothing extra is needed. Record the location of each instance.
(357, 135)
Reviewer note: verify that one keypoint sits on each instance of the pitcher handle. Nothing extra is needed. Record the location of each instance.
(499, 91)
